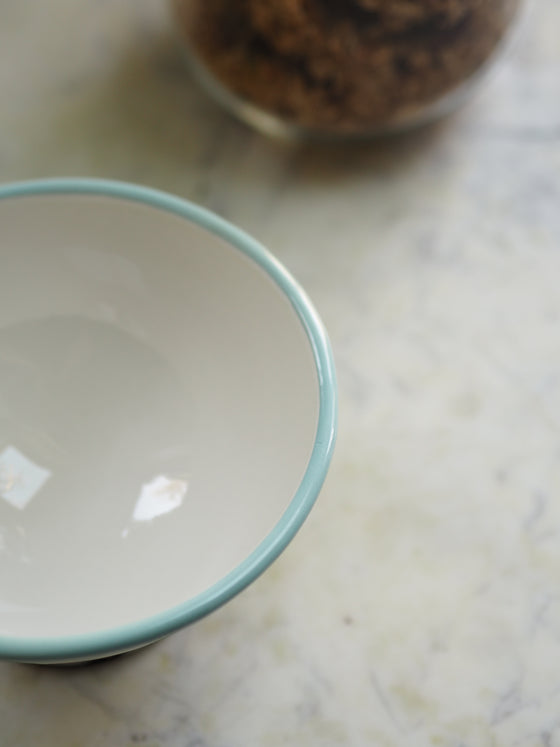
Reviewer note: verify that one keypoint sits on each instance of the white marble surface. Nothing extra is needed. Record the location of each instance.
(420, 603)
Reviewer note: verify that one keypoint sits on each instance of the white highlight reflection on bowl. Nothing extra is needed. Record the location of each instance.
(158, 497)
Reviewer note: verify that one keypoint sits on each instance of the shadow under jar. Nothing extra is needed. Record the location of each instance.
(341, 67)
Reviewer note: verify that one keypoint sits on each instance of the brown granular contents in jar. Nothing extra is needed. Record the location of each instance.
(344, 65)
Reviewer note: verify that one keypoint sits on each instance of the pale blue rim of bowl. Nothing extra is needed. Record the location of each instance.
(126, 637)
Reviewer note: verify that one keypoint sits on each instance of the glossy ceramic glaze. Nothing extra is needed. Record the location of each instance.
(167, 414)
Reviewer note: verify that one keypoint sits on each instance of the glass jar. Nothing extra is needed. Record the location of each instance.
(341, 67)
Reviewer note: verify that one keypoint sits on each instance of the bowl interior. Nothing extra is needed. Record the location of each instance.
(159, 402)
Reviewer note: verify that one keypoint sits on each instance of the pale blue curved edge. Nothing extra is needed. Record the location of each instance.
(150, 629)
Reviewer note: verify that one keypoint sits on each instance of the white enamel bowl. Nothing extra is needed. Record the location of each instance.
(167, 416)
